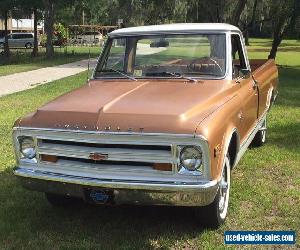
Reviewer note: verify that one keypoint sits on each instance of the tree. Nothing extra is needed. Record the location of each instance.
(6, 7)
(282, 13)
(51, 8)
(213, 11)
(30, 7)
(237, 12)
(49, 26)
(35, 24)
(6, 47)
(247, 25)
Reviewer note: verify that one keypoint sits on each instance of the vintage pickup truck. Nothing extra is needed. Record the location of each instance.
(168, 113)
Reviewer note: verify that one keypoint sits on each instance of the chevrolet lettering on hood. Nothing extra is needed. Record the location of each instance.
(98, 156)
(169, 111)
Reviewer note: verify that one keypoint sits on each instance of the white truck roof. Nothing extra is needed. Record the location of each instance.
(173, 28)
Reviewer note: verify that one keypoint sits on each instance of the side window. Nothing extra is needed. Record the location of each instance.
(116, 55)
(238, 57)
(18, 36)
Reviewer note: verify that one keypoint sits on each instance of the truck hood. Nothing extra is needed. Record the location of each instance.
(157, 106)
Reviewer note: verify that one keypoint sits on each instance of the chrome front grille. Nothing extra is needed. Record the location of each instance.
(130, 156)
(114, 152)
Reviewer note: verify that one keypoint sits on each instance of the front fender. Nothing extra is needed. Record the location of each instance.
(219, 128)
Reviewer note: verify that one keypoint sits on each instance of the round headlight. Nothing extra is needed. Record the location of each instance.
(27, 147)
(191, 158)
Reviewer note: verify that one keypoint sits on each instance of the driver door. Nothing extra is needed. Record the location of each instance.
(248, 91)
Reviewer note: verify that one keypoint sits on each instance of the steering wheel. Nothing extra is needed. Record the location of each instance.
(212, 60)
(216, 63)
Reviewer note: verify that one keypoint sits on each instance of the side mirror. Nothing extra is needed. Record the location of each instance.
(245, 73)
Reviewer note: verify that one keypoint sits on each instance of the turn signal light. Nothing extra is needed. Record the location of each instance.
(49, 158)
(162, 166)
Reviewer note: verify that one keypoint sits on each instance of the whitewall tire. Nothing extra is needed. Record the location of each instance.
(214, 214)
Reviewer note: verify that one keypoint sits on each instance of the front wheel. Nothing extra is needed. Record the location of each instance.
(214, 214)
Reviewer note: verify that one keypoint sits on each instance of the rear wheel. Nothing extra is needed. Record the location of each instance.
(214, 214)
(61, 200)
(260, 137)
(28, 45)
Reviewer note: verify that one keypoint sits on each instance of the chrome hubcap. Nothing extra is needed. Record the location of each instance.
(224, 189)
(263, 130)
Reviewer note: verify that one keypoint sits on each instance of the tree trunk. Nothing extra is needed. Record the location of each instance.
(250, 25)
(276, 42)
(281, 23)
(237, 12)
(253, 14)
(246, 36)
(279, 30)
(6, 47)
(35, 42)
(49, 27)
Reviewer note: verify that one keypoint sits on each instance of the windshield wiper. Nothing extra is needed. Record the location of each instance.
(123, 74)
(176, 74)
(182, 76)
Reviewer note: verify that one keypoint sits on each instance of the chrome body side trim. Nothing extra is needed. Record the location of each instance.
(247, 142)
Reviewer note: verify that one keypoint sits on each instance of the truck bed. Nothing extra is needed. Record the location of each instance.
(265, 73)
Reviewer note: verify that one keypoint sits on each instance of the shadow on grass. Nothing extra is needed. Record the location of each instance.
(285, 132)
(268, 43)
(286, 44)
(28, 215)
(289, 87)
(280, 49)
(285, 136)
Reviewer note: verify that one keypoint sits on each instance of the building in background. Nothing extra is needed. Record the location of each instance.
(20, 25)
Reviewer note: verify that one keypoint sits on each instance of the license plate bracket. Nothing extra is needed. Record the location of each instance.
(99, 196)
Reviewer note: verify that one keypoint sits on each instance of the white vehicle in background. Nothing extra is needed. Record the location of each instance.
(90, 37)
(19, 40)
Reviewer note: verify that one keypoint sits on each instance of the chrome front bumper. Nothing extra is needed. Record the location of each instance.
(123, 191)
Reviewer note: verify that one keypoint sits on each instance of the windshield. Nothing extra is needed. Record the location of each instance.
(163, 56)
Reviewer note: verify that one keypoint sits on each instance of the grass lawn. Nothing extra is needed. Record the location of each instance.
(21, 59)
(265, 193)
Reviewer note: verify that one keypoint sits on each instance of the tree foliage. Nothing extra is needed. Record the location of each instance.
(254, 17)
(5, 10)
(282, 13)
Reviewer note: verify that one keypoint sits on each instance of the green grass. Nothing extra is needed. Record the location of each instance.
(21, 59)
(266, 43)
(265, 192)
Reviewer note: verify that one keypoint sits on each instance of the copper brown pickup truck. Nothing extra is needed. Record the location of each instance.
(168, 113)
